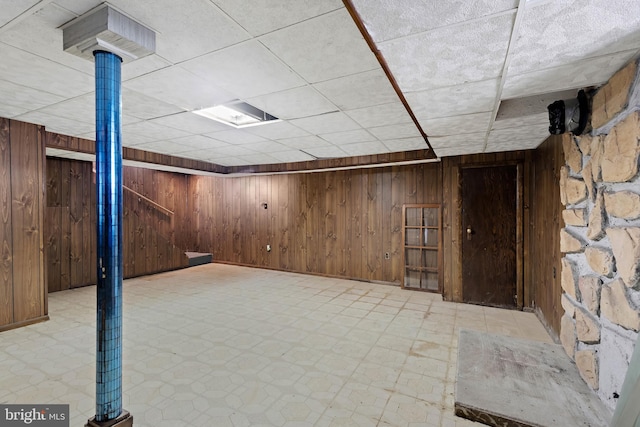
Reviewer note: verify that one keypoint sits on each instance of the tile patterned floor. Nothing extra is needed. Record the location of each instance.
(219, 345)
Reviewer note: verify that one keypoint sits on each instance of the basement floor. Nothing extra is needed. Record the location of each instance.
(220, 345)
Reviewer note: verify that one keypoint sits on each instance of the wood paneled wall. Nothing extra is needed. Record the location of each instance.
(23, 297)
(70, 226)
(336, 223)
(546, 223)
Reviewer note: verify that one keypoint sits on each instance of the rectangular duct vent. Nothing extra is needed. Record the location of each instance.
(104, 28)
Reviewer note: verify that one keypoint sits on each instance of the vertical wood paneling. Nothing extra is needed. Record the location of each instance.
(236, 209)
(355, 217)
(281, 228)
(397, 200)
(274, 220)
(300, 230)
(313, 247)
(25, 213)
(330, 223)
(546, 219)
(65, 225)
(76, 255)
(372, 225)
(341, 237)
(387, 272)
(147, 230)
(447, 218)
(6, 243)
(248, 220)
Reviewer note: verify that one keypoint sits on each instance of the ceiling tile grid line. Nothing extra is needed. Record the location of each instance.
(455, 63)
(515, 33)
(454, 26)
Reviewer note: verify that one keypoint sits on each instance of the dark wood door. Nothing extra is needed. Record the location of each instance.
(489, 222)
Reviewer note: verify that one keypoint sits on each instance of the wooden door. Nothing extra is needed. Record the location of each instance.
(489, 229)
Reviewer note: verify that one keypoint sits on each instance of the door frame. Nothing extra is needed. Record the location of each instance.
(520, 220)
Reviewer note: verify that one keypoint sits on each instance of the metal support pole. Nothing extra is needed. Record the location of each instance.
(109, 229)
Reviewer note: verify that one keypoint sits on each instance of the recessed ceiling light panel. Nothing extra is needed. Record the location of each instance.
(238, 115)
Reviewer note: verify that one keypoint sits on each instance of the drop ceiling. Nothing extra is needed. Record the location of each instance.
(307, 63)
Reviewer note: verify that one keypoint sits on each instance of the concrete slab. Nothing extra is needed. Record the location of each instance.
(198, 258)
(504, 381)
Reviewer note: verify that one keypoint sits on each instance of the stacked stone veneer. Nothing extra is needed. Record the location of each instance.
(600, 189)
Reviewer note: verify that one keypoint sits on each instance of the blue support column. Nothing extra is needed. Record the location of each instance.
(109, 229)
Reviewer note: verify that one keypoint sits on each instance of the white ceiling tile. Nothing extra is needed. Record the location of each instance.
(588, 72)
(231, 161)
(405, 144)
(191, 123)
(348, 137)
(452, 55)
(564, 31)
(404, 130)
(153, 131)
(25, 98)
(14, 8)
(144, 107)
(185, 29)
(469, 123)
(528, 143)
(359, 90)
(304, 142)
(381, 115)
(130, 139)
(459, 150)
(232, 150)
(81, 108)
(448, 101)
(279, 130)
(235, 137)
(474, 139)
(513, 137)
(30, 70)
(294, 103)
(143, 66)
(199, 142)
(54, 15)
(78, 7)
(387, 20)
(325, 123)
(291, 156)
(166, 147)
(364, 148)
(11, 111)
(36, 36)
(259, 159)
(268, 147)
(541, 119)
(177, 86)
(323, 48)
(263, 16)
(61, 125)
(245, 70)
(327, 152)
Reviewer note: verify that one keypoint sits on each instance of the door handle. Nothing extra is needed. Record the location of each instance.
(469, 232)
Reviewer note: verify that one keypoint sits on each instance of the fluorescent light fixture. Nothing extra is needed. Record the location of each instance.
(238, 115)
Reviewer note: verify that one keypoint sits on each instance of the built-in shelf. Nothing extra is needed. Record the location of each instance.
(421, 234)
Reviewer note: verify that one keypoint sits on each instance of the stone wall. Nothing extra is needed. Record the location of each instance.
(600, 189)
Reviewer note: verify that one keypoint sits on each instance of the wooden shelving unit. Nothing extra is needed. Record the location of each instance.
(421, 234)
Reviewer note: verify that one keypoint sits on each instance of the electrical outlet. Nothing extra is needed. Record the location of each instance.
(268, 248)
(387, 255)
